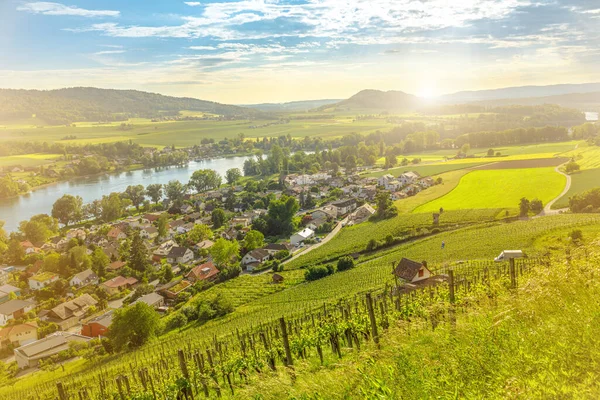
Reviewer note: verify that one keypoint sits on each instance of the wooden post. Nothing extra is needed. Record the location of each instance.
(372, 318)
(62, 393)
(286, 343)
(513, 274)
(451, 286)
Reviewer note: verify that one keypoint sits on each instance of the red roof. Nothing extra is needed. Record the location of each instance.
(204, 271)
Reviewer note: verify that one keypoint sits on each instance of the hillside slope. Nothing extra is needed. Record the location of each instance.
(376, 100)
(92, 104)
(302, 105)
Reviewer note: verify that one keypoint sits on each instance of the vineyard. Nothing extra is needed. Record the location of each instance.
(211, 366)
(263, 302)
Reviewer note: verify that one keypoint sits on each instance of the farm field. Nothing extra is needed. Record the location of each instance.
(449, 181)
(29, 160)
(580, 182)
(189, 133)
(499, 189)
(427, 169)
(588, 157)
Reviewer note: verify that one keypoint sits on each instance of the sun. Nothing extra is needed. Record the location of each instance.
(427, 91)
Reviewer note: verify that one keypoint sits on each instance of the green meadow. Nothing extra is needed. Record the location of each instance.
(580, 182)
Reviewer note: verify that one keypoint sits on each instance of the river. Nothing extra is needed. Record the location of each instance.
(40, 201)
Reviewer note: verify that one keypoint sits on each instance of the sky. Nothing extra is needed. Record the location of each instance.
(252, 51)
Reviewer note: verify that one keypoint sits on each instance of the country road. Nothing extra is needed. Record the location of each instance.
(548, 209)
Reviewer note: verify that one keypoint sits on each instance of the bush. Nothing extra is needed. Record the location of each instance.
(316, 272)
(345, 263)
(175, 320)
(576, 234)
(372, 245)
(282, 254)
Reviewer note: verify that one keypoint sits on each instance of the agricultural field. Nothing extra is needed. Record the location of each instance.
(189, 133)
(449, 181)
(499, 189)
(29, 160)
(580, 182)
(427, 169)
(587, 156)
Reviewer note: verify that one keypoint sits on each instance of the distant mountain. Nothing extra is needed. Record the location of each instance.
(292, 106)
(520, 92)
(376, 100)
(92, 104)
(581, 101)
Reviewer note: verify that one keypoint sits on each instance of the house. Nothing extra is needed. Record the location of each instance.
(18, 335)
(408, 177)
(345, 206)
(301, 236)
(69, 313)
(6, 290)
(42, 280)
(257, 256)
(28, 247)
(411, 271)
(203, 272)
(193, 217)
(115, 285)
(426, 182)
(241, 221)
(154, 300)
(111, 250)
(76, 234)
(97, 326)
(509, 255)
(14, 309)
(186, 209)
(116, 265)
(314, 224)
(398, 196)
(180, 255)
(163, 250)
(151, 217)
(173, 289)
(149, 232)
(84, 278)
(116, 234)
(367, 192)
(362, 213)
(277, 278)
(274, 248)
(30, 354)
(204, 245)
(383, 180)
(326, 212)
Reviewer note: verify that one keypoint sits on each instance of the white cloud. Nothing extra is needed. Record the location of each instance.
(192, 3)
(202, 48)
(48, 8)
(99, 53)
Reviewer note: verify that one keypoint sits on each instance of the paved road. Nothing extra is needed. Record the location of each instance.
(326, 239)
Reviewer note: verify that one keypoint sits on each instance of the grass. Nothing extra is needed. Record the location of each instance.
(426, 169)
(449, 181)
(28, 160)
(580, 182)
(499, 189)
(588, 157)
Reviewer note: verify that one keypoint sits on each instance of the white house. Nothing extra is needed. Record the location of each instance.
(14, 309)
(345, 206)
(148, 232)
(301, 236)
(408, 177)
(180, 255)
(42, 280)
(383, 180)
(258, 256)
(84, 278)
(411, 271)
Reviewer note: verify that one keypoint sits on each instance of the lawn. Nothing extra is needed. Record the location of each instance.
(28, 160)
(427, 169)
(499, 189)
(580, 182)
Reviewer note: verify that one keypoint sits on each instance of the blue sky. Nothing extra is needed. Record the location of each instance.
(246, 51)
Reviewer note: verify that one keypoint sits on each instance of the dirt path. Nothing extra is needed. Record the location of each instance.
(548, 209)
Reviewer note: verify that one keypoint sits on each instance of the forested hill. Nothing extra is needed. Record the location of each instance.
(63, 106)
(376, 100)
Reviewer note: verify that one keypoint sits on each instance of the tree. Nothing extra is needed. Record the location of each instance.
(490, 152)
(15, 252)
(155, 192)
(52, 262)
(223, 251)
(175, 191)
(138, 255)
(205, 179)
(536, 206)
(39, 228)
(163, 225)
(524, 207)
(309, 201)
(199, 233)
(135, 193)
(571, 167)
(113, 207)
(99, 262)
(167, 274)
(133, 326)
(385, 206)
(218, 217)
(253, 240)
(345, 263)
(67, 209)
(281, 215)
(232, 175)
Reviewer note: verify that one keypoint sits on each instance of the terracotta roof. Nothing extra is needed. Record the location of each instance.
(120, 281)
(15, 329)
(113, 266)
(75, 307)
(204, 271)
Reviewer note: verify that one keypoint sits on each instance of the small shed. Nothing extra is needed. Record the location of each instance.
(277, 278)
(509, 254)
(411, 271)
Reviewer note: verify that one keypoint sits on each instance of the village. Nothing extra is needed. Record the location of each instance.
(43, 307)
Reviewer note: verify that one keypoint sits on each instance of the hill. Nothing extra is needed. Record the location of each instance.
(292, 106)
(582, 101)
(376, 100)
(63, 106)
(519, 92)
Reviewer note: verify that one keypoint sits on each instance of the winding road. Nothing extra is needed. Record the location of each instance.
(548, 209)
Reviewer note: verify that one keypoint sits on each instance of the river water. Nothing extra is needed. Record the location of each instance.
(591, 116)
(39, 201)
